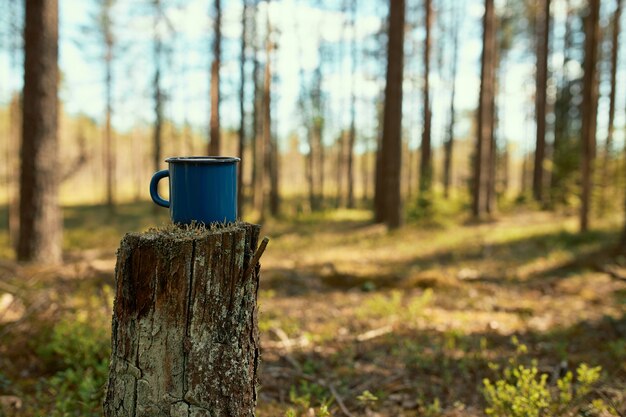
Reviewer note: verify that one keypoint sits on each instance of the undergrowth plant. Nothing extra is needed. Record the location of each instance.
(309, 399)
(523, 391)
(77, 352)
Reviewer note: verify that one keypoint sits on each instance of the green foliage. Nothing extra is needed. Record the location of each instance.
(395, 305)
(432, 210)
(566, 159)
(367, 397)
(433, 409)
(519, 394)
(79, 350)
(618, 349)
(524, 392)
(309, 396)
(587, 377)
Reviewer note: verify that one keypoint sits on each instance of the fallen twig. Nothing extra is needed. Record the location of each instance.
(339, 400)
(287, 343)
(372, 334)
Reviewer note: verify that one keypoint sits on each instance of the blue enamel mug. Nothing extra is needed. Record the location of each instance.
(202, 189)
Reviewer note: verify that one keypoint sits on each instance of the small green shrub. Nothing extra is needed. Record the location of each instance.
(395, 304)
(524, 392)
(434, 211)
(306, 397)
(520, 394)
(78, 353)
(366, 398)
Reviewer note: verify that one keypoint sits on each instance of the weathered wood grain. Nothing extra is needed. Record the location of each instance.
(184, 330)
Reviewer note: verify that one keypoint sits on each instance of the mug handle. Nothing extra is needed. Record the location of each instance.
(154, 192)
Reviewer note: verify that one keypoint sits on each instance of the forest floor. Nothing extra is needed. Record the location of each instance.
(353, 319)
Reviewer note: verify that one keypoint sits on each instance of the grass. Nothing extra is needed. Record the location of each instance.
(402, 324)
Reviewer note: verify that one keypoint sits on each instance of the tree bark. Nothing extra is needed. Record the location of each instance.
(318, 130)
(242, 107)
(15, 36)
(13, 171)
(379, 191)
(40, 215)
(214, 142)
(425, 181)
(524, 175)
(185, 335)
(589, 109)
(340, 168)
(266, 144)
(156, 87)
(543, 37)
(484, 143)
(256, 169)
(391, 155)
(274, 177)
(109, 145)
(449, 144)
(609, 138)
(315, 128)
(561, 110)
(352, 136)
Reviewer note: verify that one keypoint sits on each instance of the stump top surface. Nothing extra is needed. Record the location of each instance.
(189, 232)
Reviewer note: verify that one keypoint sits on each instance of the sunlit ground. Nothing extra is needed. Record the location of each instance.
(392, 324)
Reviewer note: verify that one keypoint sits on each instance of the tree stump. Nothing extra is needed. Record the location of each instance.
(185, 336)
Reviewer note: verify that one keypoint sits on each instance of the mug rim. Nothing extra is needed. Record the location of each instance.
(203, 159)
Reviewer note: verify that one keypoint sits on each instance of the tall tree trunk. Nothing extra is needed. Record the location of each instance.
(308, 122)
(158, 94)
(449, 144)
(493, 158)
(352, 137)
(484, 144)
(274, 177)
(543, 37)
(214, 143)
(258, 149)
(40, 215)
(391, 145)
(609, 138)
(266, 150)
(15, 120)
(274, 156)
(138, 169)
(426, 170)
(109, 151)
(561, 110)
(506, 166)
(379, 191)
(242, 107)
(524, 176)
(309, 171)
(339, 166)
(317, 138)
(254, 189)
(365, 174)
(589, 109)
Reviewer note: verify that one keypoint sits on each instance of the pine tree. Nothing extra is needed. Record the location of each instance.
(390, 159)
(40, 214)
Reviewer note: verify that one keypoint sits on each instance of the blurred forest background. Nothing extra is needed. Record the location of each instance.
(444, 182)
